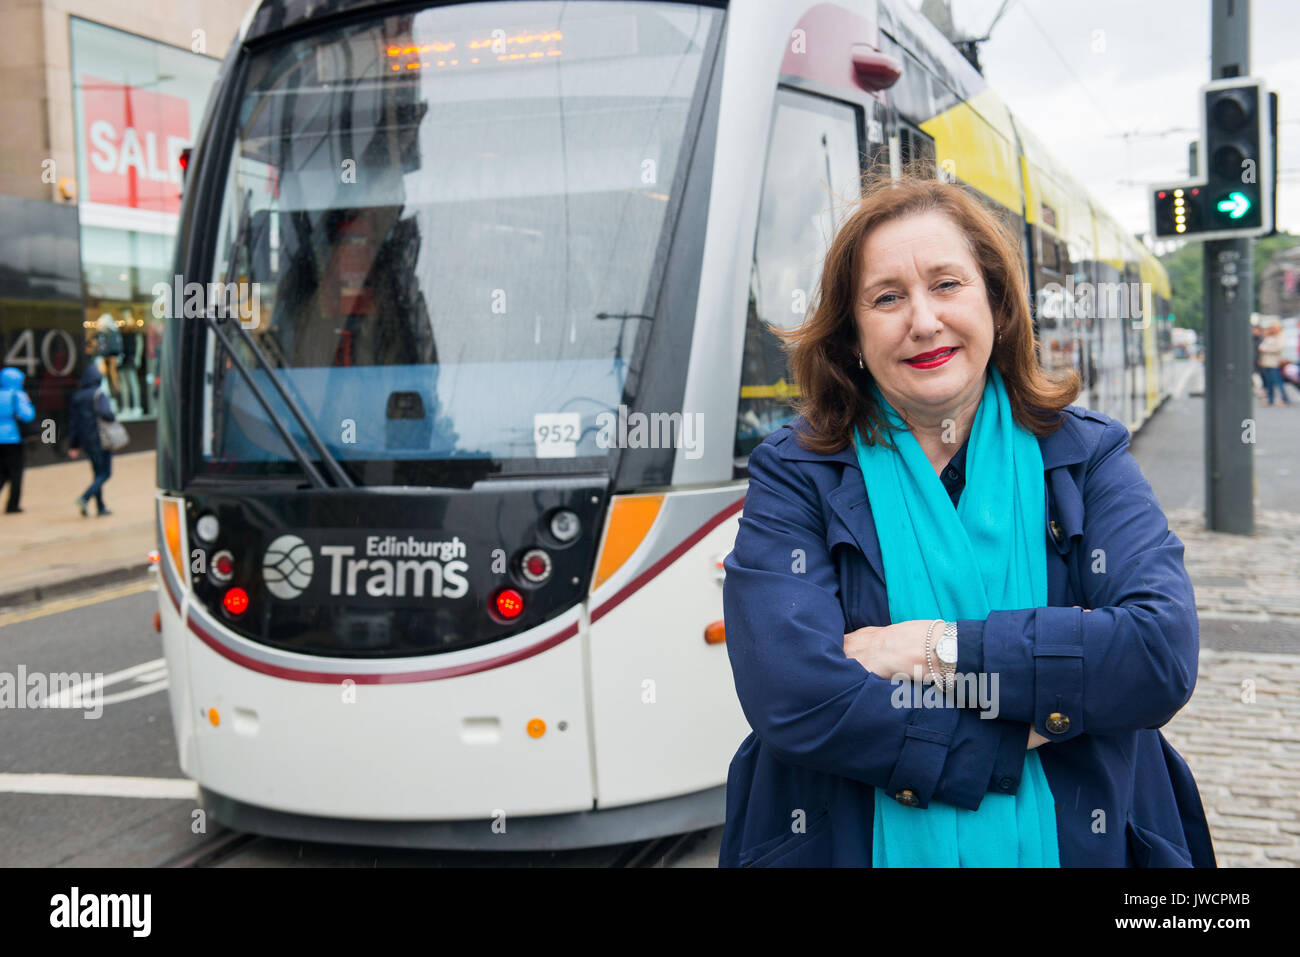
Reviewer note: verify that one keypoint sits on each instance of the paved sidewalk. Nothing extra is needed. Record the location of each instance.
(49, 548)
(1240, 735)
(1255, 576)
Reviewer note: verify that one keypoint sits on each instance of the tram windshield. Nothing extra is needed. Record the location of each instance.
(442, 228)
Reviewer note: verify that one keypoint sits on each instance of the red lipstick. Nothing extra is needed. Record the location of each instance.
(932, 359)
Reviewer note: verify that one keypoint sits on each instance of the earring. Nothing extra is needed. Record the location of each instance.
(860, 365)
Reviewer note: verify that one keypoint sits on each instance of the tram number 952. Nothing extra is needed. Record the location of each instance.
(556, 434)
(57, 353)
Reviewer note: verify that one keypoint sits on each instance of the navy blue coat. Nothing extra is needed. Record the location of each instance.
(87, 407)
(800, 789)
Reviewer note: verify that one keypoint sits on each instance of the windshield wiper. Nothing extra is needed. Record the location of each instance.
(336, 472)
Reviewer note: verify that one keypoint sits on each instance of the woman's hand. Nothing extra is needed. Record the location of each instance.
(1035, 739)
(895, 649)
(889, 650)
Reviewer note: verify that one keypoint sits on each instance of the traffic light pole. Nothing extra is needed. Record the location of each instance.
(1229, 347)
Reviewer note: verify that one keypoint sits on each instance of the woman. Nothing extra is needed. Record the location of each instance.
(937, 515)
(1270, 362)
(88, 406)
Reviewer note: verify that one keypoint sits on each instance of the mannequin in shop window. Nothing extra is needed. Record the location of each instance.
(110, 354)
(129, 366)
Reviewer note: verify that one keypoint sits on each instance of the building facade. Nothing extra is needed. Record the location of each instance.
(98, 99)
(1279, 285)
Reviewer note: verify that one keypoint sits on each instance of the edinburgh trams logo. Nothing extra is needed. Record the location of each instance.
(287, 567)
(395, 567)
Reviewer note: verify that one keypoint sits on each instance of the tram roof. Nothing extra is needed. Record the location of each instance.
(272, 16)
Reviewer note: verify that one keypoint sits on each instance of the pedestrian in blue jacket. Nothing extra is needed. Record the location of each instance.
(956, 615)
(87, 407)
(15, 407)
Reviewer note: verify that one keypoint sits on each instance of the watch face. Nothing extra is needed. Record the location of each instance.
(946, 649)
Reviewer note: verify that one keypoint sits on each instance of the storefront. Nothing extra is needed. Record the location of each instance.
(137, 104)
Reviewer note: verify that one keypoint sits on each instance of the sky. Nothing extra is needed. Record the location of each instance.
(1102, 82)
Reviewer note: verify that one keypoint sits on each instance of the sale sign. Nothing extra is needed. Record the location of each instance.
(134, 138)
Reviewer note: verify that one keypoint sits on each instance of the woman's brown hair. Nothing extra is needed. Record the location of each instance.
(835, 395)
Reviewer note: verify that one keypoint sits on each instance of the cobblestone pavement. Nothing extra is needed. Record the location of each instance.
(1256, 575)
(1240, 734)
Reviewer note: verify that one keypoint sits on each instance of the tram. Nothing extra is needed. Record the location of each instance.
(451, 453)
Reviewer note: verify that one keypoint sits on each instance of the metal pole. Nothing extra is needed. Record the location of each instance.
(1229, 301)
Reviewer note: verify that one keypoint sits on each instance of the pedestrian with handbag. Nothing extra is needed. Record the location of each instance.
(89, 418)
(17, 422)
(1270, 362)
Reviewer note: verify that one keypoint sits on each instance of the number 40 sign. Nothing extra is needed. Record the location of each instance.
(56, 355)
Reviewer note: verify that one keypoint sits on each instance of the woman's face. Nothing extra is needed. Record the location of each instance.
(921, 291)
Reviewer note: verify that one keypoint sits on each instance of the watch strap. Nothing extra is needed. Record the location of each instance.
(949, 669)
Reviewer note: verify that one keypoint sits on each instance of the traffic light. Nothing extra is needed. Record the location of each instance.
(1178, 210)
(1232, 194)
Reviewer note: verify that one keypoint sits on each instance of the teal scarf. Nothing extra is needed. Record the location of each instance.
(992, 557)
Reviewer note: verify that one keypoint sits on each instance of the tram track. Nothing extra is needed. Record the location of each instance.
(661, 852)
(226, 847)
(213, 850)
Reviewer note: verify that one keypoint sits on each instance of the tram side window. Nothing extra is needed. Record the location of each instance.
(811, 184)
(916, 150)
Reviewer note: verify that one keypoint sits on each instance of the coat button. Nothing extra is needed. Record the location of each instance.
(1057, 723)
(1005, 784)
(907, 798)
(1057, 535)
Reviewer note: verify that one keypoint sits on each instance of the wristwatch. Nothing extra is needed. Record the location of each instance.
(946, 651)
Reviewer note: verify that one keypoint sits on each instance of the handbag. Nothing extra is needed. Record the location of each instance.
(112, 435)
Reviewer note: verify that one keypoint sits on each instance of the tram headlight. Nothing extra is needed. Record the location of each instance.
(565, 525)
(207, 528)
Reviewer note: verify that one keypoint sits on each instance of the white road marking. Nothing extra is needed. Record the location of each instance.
(68, 696)
(99, 785)
(135, 692)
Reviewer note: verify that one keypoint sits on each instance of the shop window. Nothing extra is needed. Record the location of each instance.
(137, 104)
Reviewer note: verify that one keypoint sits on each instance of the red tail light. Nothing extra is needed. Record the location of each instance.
(509, 603)
(236, 601)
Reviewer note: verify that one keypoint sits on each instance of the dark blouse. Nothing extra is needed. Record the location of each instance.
(954, 474)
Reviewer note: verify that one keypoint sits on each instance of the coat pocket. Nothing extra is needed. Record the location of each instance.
(1148, 849)
(812, 848)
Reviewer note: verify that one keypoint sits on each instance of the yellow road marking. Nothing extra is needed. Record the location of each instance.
(78, 601)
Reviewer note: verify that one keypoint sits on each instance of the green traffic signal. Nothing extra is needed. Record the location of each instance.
(1236, 205)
